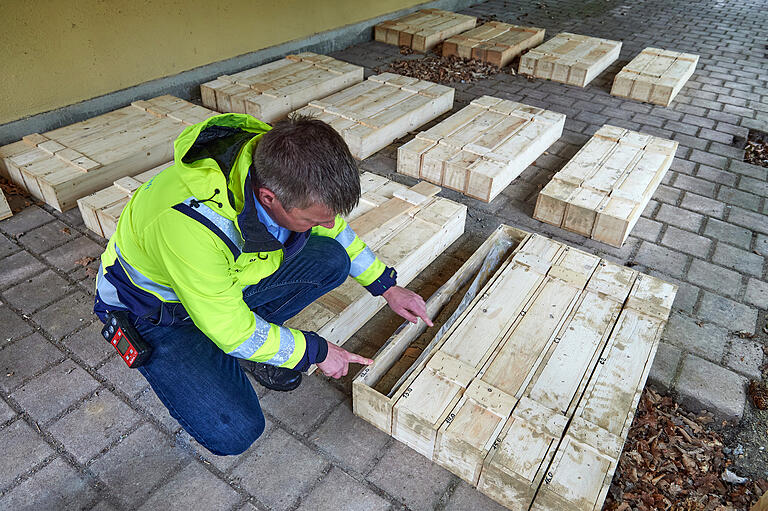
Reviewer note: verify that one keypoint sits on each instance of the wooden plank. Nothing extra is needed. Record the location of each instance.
(269, 92)
(654, 76)
(5, 209)
(602, 191)
(504, 137)
(423, 29)
(570, 58)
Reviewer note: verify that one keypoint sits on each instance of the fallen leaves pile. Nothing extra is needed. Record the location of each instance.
(756, 150)
(672, 461)
(438, 69)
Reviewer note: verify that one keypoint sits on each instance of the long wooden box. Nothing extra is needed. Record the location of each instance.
(570, 58)
(603, 190)
(101, 210)
(528, 389)
(63, 165)
(655, 76)
(407, 228)
(495, 42)
(481, 148)
(271, 91)
(5, 209)
(423, 30)
(372, 114)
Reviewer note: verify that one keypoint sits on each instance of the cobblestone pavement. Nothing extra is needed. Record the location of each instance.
(78, 430)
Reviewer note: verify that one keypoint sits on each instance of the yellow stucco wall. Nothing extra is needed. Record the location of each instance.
(59, 52)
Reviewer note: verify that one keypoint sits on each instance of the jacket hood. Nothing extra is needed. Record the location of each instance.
(215, 157)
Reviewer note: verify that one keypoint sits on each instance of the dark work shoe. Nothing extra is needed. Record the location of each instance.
(273, 377)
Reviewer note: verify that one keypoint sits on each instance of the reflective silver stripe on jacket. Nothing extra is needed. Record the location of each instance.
(362, 262)
(287, 345)
(164, 292)
(248, 347)
(346, 237)
(226, 225)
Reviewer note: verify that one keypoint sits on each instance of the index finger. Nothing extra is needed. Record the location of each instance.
(420, 309)
(357, 359)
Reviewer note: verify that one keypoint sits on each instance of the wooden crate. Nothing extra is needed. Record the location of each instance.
(423, 30)
(372, 114)
(271, 91)
(654, 76)
(495, 42)
(63, 165)
(101, 210)
(5, 209)
(407, 228)
(481, 148)
(602, 191)
(542, 361)
(570, 58)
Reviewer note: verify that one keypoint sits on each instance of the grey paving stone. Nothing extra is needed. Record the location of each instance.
(301, 409)
(6, 412)
(647, 229)
(22, 449)
(46, 237)
(131, 468)
(348, 495)
(656, 257)
(667, 194)
(739, 198)
(694, 184)
(50, 393)
(679, 217)
(25, 220)
(757, 293)
(745, 357)
(66, 315)
(38, 291)
(747, 169)
(758, 187)
(761, 245)
(727, 313)
(17, 267)
(13, 327)
(25, 358)
(410, 477)
(123, 377)
(738, 259)
(664, 366)
(352, 441)
(703, 339)
(193, 488)
(704, 385)
(716, 175)
(149, 401)
(703, 205)
(715, 278)
(89, 345)
(92, 426)
(748, 219)
(7, 247)
(687, 242)
(64, 257)
(466, 497)
(728, 233)
(285, 469)
(56, 486)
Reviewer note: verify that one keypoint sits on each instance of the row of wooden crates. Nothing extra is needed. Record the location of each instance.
(528, 382)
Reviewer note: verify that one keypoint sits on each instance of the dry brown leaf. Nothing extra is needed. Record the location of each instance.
(85, 261)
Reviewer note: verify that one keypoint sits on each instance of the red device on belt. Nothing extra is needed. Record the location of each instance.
(120, 333)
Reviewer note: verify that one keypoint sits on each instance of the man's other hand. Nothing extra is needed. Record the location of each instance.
(407, 304)
(336, 363)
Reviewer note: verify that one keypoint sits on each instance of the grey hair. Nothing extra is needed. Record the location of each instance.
(304, 161)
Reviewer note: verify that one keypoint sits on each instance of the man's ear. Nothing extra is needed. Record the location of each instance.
(266, 197)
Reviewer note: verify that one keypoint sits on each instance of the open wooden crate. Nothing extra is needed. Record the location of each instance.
(527, 385)
(65, 164)
(494, 42)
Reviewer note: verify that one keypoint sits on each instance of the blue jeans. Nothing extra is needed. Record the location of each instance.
(204, 388)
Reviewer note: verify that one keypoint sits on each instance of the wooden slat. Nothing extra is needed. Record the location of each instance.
(5, 209)
(602, 191)
(570, 58)
(422, 30)
(482, 148)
